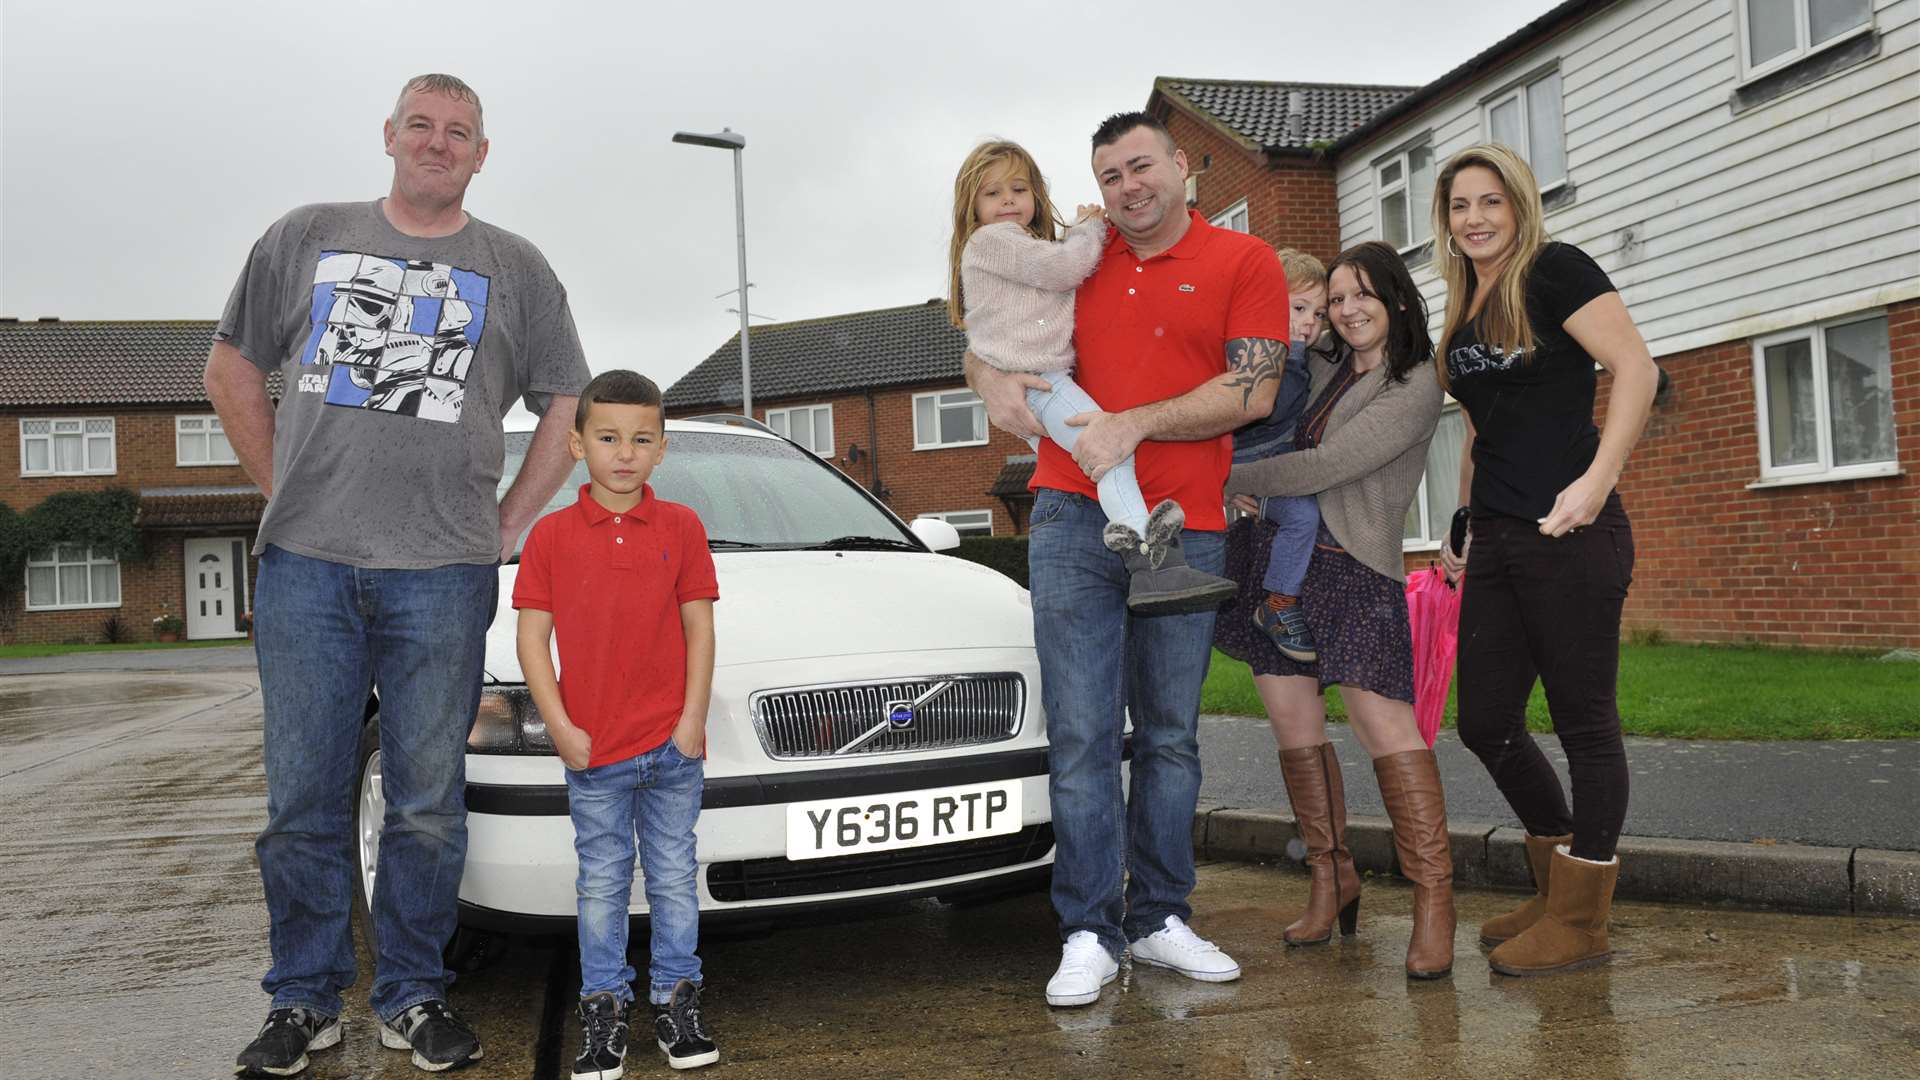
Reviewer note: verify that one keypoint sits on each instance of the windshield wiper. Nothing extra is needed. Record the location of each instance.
(715, 543)
(863, 543)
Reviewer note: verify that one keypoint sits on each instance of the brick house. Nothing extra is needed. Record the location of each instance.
(1749, 176)
(879, 394)
(97, 406)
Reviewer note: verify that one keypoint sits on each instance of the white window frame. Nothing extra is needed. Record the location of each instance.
(1419, 213)
(818, 411)
(948, 516)
(89, 560)
(1424, 542)
(74, 425)
(1224, 218)
(1802, 48)
(1517, 91)
(202, 426)
(1822, 469)
(923, 440)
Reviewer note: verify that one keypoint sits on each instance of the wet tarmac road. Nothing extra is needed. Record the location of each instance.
(134, 938)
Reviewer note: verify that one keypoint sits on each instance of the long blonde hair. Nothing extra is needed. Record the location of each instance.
(974, 171)
(1503, 318)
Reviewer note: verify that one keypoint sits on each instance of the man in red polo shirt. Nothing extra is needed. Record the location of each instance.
(1181, 334)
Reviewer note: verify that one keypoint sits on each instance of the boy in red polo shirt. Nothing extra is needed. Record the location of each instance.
(625, 581)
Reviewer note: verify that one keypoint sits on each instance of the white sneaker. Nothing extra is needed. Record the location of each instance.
(1085, 967)
(1176, 946)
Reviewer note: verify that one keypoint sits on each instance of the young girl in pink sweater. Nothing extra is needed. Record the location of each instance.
(1012, 286)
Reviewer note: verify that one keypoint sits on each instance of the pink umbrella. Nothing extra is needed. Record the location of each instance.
(1433, 608)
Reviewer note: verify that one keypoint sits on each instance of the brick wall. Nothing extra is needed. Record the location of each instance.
(144, 457)
(1290, 203)
(915, 481)
(1828, 565)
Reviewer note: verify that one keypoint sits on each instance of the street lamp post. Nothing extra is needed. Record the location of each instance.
(728, 139)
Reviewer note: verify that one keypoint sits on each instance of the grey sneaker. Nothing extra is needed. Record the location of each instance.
(281, 1047)
(1288, 630)
(439, 1039)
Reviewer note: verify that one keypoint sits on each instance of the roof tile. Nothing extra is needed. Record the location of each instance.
(1257, 111)
(899, 346)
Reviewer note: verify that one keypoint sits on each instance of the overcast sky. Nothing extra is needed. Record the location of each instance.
(145, 146)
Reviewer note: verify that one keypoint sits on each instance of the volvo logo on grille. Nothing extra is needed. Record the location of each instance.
(900, 714)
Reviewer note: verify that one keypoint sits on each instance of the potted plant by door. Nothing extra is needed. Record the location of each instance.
(246, 623)
(167, 627)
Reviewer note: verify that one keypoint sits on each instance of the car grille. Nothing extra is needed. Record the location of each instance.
(940, 711)
(771, 879)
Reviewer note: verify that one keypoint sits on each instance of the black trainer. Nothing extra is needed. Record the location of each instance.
(439, 1039)
(281, 1047)
(603, 1042)
(681, 1031)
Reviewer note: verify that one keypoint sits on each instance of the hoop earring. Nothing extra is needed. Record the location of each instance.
(1450, 247)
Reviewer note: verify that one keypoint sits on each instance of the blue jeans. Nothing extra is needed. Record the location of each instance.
(1298, 518)
(1096, 661)
(1119, 488)
(656, 794)
(326, 633)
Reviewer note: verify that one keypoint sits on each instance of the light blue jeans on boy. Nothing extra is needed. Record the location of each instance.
(1120, 497)
(1122, 863)
(326, 632)
(1297, 518)
(655, 795)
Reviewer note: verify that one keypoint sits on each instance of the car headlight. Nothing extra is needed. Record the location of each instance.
(507, 722)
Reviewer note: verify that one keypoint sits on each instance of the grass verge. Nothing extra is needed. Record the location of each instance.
(12, 652)
(1702, 692)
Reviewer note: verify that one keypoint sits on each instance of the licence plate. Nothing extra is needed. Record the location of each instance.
(902, 819)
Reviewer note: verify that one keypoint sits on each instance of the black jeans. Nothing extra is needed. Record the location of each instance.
(1535, 606)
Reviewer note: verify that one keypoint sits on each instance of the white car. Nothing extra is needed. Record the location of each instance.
(875, 728)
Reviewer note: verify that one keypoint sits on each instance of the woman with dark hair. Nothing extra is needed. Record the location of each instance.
(1552, 550)
(1361, 448)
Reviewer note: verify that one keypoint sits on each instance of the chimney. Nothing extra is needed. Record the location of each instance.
(1296, 113)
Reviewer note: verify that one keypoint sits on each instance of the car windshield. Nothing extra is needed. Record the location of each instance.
(750, 492)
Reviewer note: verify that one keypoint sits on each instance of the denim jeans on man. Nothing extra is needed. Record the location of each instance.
(656, 794)
(326, 633)
(1097, 661)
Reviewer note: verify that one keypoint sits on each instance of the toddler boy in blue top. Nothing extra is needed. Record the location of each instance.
(624, 582)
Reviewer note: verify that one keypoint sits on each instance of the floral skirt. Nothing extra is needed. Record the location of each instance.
(1358, 616)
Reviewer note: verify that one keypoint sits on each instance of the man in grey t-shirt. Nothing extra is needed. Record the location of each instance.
(403, 329)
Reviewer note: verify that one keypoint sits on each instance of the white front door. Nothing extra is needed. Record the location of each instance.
(216, 587)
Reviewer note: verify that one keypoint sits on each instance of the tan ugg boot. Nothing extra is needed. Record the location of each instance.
(1540, 860)
(1410, 786)
(1319, 799)
(1572, 934)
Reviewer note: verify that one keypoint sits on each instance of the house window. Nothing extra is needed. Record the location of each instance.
(200, 440)
(1775, 33)
(949, 418)
(1432, 511)
(68, 447)
(1825, 400)
(72, 577)
(809, 425)
(1233, 217)
(967, 522)
(1527, 117)
(1405, 185)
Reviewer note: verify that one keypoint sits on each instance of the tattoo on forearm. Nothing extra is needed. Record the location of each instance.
(1252, 361)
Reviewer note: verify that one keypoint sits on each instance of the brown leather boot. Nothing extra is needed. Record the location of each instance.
(1540, 860)
(1572, 934)
(1319, 799)
(1410, 786)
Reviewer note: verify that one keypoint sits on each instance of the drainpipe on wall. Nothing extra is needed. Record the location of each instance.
(873, 457)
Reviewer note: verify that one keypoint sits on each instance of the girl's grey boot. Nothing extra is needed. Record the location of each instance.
(1162, 582)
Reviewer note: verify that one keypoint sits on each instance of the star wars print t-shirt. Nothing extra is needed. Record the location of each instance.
(1532, 412)
(399, 355)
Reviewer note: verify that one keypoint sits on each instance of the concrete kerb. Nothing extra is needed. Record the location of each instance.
(1776, 876)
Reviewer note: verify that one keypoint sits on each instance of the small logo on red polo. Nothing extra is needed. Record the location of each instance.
(1185, 287)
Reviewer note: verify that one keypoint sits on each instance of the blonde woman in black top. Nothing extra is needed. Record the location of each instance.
(1550, 551)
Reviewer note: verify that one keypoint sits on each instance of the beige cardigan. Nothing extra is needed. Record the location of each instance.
(1367, 468)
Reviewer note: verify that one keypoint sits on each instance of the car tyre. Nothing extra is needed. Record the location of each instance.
(469, 949)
